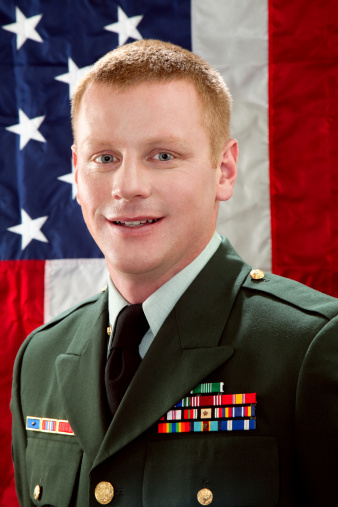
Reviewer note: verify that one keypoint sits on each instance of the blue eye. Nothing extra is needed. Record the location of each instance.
(105, 159)
(164, 157)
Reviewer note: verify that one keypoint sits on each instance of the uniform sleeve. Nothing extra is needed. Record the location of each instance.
(316, 422)
(19, 437)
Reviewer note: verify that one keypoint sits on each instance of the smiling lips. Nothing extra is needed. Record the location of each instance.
(135, 223)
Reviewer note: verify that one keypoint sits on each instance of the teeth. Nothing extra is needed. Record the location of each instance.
(136, 223)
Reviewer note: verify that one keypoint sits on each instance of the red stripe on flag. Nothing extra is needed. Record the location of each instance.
(21, 310)
(303, 124)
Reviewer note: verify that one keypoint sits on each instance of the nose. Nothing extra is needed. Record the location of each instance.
(131, 180)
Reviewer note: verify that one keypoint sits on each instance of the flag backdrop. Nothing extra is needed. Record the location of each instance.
(279, 59)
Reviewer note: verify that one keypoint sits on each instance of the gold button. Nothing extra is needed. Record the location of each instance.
(37, 492)
(109, 330)
(204, 496)
(257, 274)
(104, 492)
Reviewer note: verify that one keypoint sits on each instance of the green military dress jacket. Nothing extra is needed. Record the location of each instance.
(270, 336)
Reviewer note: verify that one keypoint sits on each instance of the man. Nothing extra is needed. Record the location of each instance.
(234, 402)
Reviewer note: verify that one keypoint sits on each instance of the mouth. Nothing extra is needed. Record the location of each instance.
(135, 223)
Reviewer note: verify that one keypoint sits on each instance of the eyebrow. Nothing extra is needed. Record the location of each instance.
(89, 141)
(160, 140)
(167, 141)
(164, 139)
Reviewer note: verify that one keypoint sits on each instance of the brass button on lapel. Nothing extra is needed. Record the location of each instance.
(104, 492)
(257, 274)
(37, 492)
(204, 496)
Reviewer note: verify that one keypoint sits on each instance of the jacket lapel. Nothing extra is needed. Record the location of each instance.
(185, 351)
(80, 374)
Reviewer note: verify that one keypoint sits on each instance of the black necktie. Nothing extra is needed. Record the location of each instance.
(124, 357)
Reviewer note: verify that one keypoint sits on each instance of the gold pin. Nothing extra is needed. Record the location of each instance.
(257, 274)
(109, 330)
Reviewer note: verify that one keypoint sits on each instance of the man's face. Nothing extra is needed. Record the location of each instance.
(146, 185)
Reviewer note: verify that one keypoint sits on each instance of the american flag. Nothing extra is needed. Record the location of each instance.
(279, 59)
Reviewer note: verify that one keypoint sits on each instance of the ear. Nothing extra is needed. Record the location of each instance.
(74, 155)
(227, 170)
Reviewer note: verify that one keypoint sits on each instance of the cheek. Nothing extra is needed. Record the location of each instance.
(203, 188)
(90, 192)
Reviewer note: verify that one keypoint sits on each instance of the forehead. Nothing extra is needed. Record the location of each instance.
(153, 103)
(103, 91)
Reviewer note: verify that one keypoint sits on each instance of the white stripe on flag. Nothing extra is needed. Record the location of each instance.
(70, 281)
(232, 35)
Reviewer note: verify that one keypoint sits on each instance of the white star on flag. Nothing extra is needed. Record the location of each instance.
(125, 27)
(24, 28)
(70, 178)
(27, 129)
(73, 76)
(29, 229)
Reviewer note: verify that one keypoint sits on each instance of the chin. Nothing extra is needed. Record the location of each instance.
(131, 266)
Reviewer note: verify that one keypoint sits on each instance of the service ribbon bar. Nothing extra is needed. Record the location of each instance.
(49, 425)
(208, 413)
(232, 412)
(206, 426)
(221, 399)
(218, 412)
(173, 415)
(210, 387)
(46, 425)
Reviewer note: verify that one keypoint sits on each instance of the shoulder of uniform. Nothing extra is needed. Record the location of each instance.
(58, 333)
(291, 292)
(75, 312)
